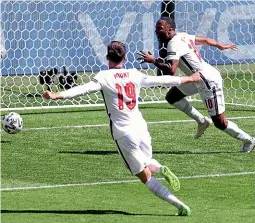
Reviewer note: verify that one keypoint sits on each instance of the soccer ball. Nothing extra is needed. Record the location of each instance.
(12, 123)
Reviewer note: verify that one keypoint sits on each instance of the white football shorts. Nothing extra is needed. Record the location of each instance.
(211, 93)
(135, 151)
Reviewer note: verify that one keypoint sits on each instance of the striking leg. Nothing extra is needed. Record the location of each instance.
(136, 160)
(154, 165)
(162, 192)
(170, 177)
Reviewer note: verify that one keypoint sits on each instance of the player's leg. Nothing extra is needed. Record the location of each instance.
(221, 122)
(135, 160)
(215, 103)
(176, 97)
(162, 192)
(154, 166)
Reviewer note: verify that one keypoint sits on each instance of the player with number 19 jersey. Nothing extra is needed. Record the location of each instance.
(120, 89)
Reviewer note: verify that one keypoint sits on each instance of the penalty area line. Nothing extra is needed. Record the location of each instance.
(122, 181)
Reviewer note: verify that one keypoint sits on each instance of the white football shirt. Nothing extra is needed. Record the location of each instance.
(120, 89)
(182, 47)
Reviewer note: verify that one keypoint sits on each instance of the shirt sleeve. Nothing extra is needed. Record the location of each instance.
(165, 81)
(192, 37)
(90, 87)
(175, 48)
(138, 76)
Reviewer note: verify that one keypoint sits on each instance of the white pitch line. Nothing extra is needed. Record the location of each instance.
(101, 125)
(121, 181)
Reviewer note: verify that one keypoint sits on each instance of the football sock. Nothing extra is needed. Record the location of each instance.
(162, 192)
(234, 131)
(154, 166)
(189, 110)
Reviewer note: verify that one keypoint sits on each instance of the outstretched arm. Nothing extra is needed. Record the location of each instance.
(167, 81)
(168, 68)
(87, 88)
(211, 42)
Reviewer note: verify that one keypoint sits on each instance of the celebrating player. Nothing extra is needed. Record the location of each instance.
(182, 53)
(120, 89)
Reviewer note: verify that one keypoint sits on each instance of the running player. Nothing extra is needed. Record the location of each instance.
(120, 88)
(182, 53)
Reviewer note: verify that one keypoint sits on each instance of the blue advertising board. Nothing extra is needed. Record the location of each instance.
(38, 35)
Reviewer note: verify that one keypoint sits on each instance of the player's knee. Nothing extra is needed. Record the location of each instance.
(220, 122)
(174, 95)
(169, 98)
(144, 175)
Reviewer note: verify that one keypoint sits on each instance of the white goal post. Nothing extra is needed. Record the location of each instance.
(56, 44)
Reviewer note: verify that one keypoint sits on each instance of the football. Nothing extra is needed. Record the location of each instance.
(12, 123)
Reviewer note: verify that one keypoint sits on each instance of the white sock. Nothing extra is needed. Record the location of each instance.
(189, 110)
(154, 166)
(162, 192)
(234, 131)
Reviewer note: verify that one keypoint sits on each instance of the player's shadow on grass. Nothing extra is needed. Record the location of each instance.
(5, 141)
(92, 212)
(111, 152)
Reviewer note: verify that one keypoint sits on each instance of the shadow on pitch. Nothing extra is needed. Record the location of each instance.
(111, 152)
(92, 212)
(5, 141)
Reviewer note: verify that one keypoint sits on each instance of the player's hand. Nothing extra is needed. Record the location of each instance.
(49, 95)
(231, 46)
(195, 77)
(146, 57)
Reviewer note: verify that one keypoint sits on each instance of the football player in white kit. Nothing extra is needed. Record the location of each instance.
(182, 53)
(120, 89)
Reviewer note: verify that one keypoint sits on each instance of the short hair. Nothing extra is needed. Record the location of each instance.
(169, 21)
(116, 51)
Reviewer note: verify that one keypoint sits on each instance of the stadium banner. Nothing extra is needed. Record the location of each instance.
(37, 35)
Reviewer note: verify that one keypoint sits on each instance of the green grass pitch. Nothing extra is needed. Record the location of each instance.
(58, 155)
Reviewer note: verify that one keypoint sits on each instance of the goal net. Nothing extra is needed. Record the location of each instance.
(58, 44)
